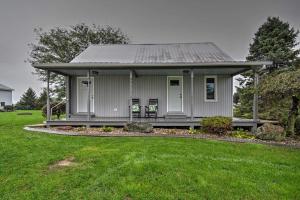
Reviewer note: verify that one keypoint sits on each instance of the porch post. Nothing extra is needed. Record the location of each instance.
(255, 101)
(89, 96)
(48, 96)
(130, 94)
(67, 81)
(192, 94)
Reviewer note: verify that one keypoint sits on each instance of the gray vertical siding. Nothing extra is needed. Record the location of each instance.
(6, 96)
(112, 94)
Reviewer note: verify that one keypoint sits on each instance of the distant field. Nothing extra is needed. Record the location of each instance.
(139, 168)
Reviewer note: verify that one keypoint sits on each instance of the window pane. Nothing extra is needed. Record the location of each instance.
(174, 82)
(210, 88)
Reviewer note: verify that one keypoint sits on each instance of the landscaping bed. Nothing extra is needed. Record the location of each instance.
(233, 136)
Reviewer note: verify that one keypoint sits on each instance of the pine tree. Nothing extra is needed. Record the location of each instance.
(28, 100)
(275, 41)
(42, 100)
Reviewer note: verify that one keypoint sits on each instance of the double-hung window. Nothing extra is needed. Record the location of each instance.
(210, 88)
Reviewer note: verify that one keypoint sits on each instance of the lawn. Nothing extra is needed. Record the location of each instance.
(140, 168)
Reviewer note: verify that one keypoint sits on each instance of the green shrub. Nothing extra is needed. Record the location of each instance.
(9, 108)
(217, 125)
(192, 131)
(107, 129)
(195, 131)
(241, 133)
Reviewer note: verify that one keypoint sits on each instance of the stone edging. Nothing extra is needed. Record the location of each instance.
(137, 134)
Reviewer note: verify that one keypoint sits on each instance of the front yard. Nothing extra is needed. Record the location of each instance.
(139, 168)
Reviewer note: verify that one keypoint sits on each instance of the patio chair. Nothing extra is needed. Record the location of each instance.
(152, 109)
(136, 108)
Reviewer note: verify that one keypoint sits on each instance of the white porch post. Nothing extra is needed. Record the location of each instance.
(67, 81)
(255, 100)
(130, 94)
(192, 94)
(48, 96)
(89, 96)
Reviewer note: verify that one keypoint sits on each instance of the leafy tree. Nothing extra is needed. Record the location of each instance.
(274, 41)
(28, 100)
(62, 45)
(284, 85)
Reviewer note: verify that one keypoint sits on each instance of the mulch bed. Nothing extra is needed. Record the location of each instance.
(157, 132)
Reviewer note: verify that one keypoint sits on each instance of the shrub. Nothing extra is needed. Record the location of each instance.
(192, 131)
(9, 108)
(138, 127)
(241, 133)
(270, 132)
(217, 125)
(107, 129)
(58, 110)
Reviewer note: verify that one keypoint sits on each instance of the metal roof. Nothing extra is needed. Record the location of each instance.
(206, 52)
(5, 88)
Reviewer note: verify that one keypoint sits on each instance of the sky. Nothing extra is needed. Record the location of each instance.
(230, 24)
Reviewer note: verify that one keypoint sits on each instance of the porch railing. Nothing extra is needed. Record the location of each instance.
(59, 103)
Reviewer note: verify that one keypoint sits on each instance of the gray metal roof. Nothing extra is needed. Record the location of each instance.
(5, 88)
(206, 52)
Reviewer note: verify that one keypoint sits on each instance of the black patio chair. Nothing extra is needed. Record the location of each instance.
(136, 108)
(152, 109)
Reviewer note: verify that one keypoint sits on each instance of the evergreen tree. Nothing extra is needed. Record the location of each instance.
(28, 100)
(274, 41)
(42, 100)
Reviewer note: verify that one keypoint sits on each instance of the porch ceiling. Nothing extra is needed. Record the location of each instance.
(214, 71)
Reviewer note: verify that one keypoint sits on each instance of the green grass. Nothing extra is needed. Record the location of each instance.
(140, 168)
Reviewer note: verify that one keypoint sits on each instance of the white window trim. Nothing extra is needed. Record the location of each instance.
(216, 89)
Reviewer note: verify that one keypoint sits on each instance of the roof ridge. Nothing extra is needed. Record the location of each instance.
(168, 43)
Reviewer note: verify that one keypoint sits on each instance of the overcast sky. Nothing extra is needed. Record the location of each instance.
(229, 23)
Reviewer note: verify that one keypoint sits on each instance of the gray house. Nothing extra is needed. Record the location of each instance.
(186, 82)
(5, 96)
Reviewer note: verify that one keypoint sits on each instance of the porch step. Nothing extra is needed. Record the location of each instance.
(175, 115)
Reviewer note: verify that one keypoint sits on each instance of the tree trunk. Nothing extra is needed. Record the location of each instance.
(293, 113)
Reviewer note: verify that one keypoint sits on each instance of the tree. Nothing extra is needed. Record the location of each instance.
(28, 100)
(62, 45)
(274, 41)
(283, 85)
(42, 100)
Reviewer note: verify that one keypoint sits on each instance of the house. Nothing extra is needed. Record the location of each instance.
(5, 96)
(188, 80)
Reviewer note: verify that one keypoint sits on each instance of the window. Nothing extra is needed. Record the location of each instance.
(210, 88)
(2, 104)
(174, 82)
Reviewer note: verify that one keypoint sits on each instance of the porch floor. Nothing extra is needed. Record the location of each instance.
(158, 122)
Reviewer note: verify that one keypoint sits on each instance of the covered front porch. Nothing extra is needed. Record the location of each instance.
(144, 82)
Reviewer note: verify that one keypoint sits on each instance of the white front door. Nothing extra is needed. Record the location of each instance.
(175, 90)
(82, 94)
